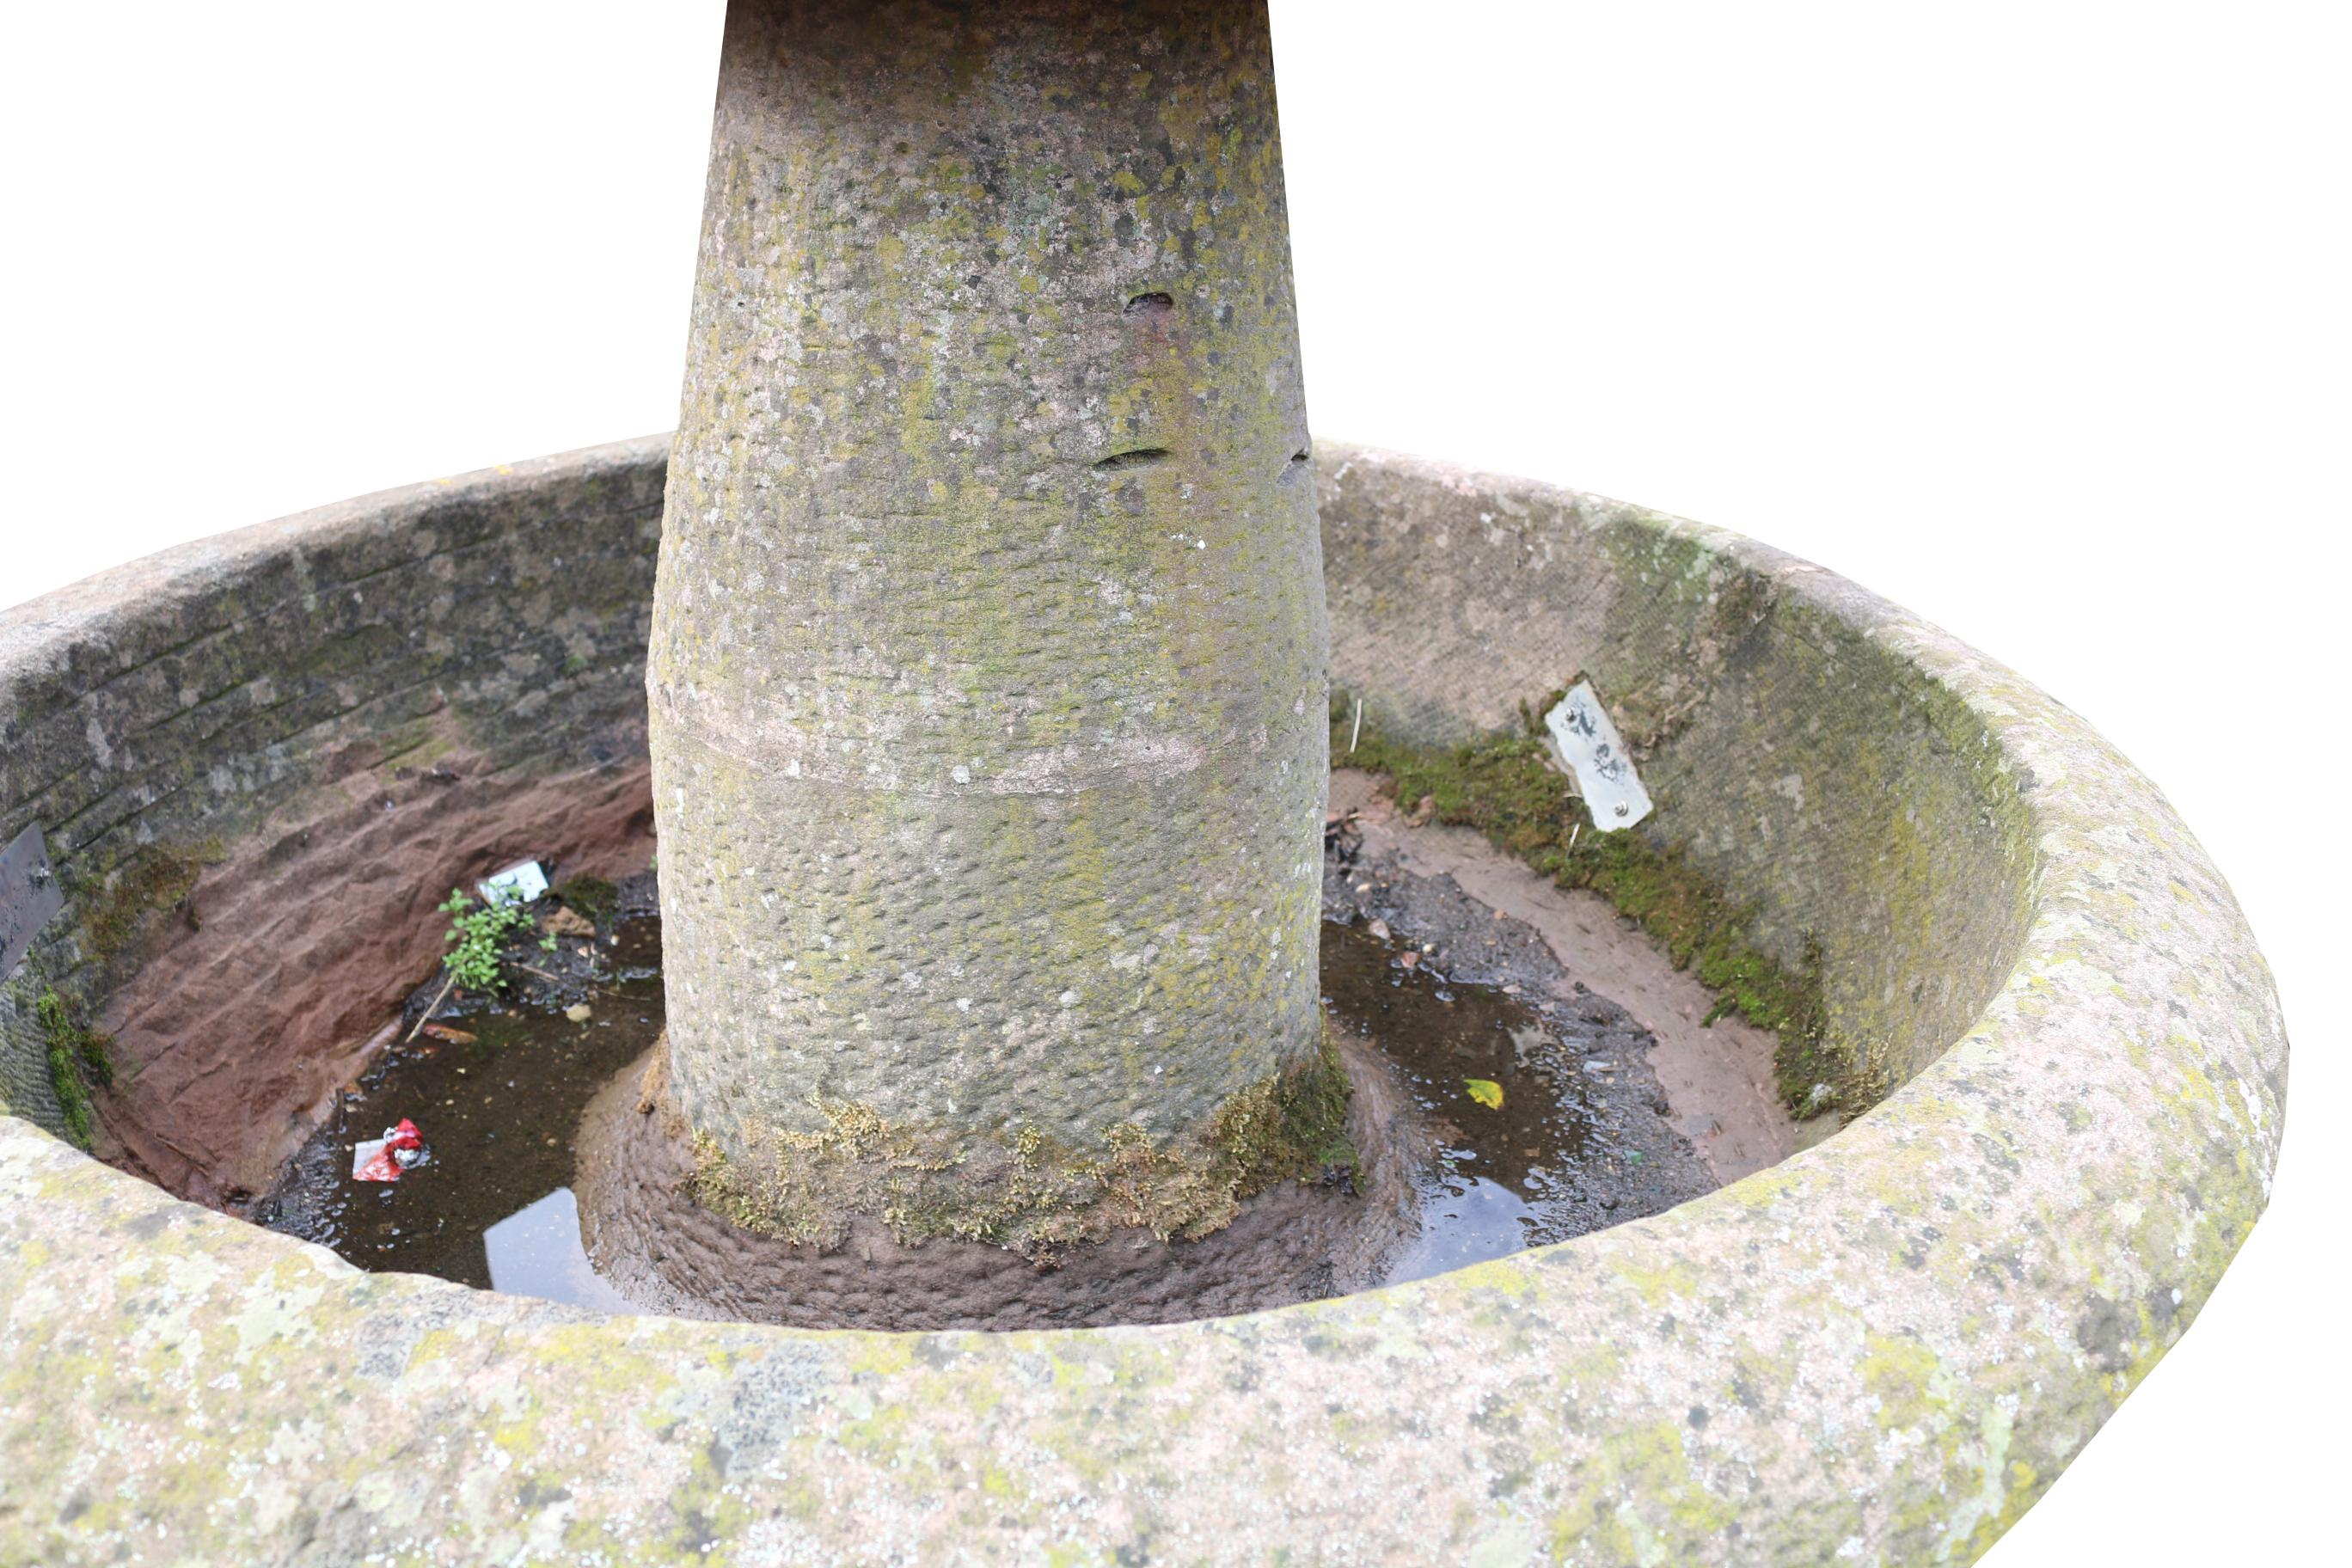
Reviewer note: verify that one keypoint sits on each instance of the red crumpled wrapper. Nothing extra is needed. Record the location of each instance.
(378, 1159)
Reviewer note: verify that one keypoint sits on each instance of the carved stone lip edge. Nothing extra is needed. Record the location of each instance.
(1570, 1368)
(29, 897)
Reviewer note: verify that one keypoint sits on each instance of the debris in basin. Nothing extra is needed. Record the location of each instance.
(524, 882)
(495, 1101)
(1522, 1147)
(569, 922)
(430, 1008)
(1503, 1002)
(444, 1033)
(1507, 786)
(401, 1148)
(1341, 838)
(475, 938)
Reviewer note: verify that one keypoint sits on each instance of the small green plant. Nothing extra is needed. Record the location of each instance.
(475, 934)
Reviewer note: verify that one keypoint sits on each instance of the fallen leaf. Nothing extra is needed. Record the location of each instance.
(1485, 1091)
(569, 922)
(580, 1011)
(444, 1032)
(1409, 958)
(1379, 928)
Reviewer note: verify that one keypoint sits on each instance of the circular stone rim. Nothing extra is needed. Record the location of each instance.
(1882, 1349)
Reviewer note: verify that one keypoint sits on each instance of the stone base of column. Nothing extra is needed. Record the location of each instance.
(654, 1239)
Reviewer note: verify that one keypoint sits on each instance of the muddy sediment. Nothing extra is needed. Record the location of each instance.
(266, 986)
(1574, 1136)
(532, 1118)
(1574, 956)
(1297, 1241)
(496, 1086)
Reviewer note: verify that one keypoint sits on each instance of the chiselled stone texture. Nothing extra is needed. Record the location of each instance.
(987, 674)
(1880, 1351)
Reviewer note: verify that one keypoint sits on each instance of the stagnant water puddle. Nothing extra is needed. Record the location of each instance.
(496, 1091)
(1500, 1176)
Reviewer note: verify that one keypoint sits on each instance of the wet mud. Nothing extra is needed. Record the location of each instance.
(267, 984)
(496, 1086)
(1496, 1105)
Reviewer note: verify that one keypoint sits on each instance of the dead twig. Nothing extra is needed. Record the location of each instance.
(588, 984)
(430, 1008)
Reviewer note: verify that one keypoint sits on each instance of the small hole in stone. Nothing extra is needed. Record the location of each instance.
(1140, 458)
(1150, 305)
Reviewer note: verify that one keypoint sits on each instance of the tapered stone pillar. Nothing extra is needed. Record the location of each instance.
(987, 681)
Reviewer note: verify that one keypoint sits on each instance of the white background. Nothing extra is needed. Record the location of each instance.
(2032, 318)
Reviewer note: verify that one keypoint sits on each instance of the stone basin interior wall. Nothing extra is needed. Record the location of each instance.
(260, 761)
(1851, 803)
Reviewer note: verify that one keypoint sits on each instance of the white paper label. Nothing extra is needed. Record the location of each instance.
(518, 884)
(29, 896)
(1589, 743)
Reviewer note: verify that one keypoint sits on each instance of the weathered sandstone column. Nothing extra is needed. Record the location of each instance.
(987, 679)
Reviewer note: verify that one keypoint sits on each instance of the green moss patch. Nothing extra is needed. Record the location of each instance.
(1031, 1194)
(1504, 786)
(592, 896)
(153, 881)
(80, 1057)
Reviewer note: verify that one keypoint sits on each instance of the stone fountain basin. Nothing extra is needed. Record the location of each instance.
(260, 760)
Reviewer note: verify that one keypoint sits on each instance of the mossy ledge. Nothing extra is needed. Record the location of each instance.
(1506, 787)
(1031, 1194)
(155, 879)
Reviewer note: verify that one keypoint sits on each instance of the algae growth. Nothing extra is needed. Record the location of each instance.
(80, 1057)
(1506, 786)
(1032, 1193)
(154, 880)
(595, 898)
